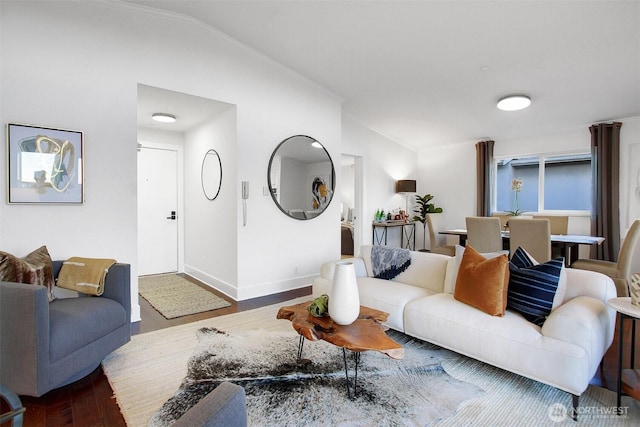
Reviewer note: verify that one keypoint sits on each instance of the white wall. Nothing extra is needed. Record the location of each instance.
(385, 162)
(210, 225)
(450, 171)
(84, 76)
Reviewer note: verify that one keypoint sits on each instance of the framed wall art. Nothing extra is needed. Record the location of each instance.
(44, 165)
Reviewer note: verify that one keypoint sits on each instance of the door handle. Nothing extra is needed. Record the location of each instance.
(173, 215)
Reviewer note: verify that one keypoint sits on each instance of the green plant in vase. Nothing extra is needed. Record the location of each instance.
(424, 207)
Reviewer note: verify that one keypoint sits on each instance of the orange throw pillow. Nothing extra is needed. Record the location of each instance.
(483, 283)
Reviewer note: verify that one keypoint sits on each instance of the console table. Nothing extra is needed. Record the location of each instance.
(407, 233)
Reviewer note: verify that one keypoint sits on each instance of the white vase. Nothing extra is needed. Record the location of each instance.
(344, 299)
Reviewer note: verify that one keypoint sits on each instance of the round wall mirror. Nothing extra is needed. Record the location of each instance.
(301, 177)
(211, 174)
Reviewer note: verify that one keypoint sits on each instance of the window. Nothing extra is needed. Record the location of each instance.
(550, 183)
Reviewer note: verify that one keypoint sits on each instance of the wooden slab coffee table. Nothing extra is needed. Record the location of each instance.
(364, 334)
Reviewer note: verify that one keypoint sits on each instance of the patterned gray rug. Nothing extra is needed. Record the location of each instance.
(412, 391)
(174, 296)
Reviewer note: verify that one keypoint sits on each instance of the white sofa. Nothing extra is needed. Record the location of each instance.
(564, 353)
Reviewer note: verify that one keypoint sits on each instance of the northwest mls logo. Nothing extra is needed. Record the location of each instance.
(557, 412)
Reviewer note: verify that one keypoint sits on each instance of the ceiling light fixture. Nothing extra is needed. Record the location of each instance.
(514, 102)
(163, 117)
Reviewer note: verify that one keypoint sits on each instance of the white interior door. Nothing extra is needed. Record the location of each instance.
(157, 211)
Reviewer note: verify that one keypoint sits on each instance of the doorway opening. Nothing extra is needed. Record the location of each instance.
(351, 205)
(171, 153)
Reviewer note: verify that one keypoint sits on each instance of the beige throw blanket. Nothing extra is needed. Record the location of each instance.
(85, 275)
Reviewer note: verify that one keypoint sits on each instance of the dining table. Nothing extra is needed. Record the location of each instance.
(567, 243)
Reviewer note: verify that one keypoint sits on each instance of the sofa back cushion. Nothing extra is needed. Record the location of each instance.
(427, 270)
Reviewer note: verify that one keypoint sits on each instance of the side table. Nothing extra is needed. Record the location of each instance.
(628, 379)
(407, 231)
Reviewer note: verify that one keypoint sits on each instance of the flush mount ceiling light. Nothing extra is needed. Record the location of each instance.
(163, 117)
(514, 102)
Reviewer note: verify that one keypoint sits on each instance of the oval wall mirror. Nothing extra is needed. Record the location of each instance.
(211, 174)
(301, 177)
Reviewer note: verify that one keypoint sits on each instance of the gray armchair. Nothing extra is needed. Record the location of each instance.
(45, 345)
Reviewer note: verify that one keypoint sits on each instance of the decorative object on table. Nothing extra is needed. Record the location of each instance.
(387, 262)
(211, 174)
(634, 288)
(344, 299)
(44, 165)
(516, 185)
(424, 208)
(319, 307)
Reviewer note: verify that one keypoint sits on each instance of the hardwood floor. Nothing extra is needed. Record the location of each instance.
(90, 401)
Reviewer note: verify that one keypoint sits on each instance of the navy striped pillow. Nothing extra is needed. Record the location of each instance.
(532, 286)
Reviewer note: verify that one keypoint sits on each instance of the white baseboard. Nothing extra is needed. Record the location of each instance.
(251, 291)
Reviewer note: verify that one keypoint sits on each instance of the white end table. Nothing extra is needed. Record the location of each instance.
(628, 379)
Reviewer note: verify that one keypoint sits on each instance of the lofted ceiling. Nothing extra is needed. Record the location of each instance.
(426, 73)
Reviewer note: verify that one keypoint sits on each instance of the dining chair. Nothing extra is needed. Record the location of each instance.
(504, 218)
(533, 235)
(627, 264)
(483, 233)
(438, 241)
(559, 224)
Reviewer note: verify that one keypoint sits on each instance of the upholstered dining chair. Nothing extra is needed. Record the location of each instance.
(533, 235)
(559, 224)
(438, 241)
(627, 264)
(483, 233)
(504, 218)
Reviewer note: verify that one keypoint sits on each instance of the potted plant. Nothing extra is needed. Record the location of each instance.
(424, 207)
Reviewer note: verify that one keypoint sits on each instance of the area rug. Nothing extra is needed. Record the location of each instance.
(280, 392)
(147, 372)
(173, 296)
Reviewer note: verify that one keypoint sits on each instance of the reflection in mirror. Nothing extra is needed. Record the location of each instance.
(301, 177)
(211, 174)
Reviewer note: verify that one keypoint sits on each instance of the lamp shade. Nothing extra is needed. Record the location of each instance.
(406, 186)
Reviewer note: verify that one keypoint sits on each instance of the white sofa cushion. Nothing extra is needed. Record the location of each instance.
(389, 296)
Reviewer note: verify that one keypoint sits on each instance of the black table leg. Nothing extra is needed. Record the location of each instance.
(620, 339)
(356, 357)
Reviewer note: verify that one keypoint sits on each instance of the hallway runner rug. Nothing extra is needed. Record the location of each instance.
(174, 296)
